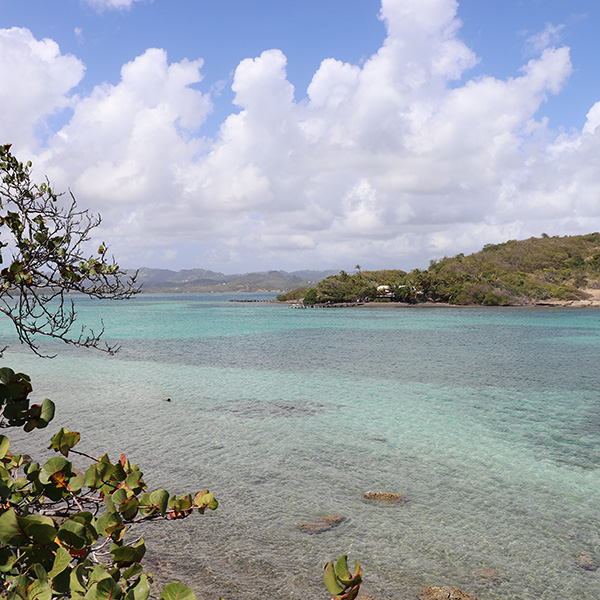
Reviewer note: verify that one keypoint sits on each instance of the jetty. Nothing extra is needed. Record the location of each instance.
(264, 300)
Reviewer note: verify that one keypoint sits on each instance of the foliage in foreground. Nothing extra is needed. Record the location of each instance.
(64, 532)
(340, 582)
(513, 273)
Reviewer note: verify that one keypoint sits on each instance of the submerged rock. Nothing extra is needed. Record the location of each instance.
(489, 574)
(587, 561)
(444, 593)
(322, 524)
(389, 497)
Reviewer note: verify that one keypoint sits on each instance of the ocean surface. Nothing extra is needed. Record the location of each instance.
(486, 419)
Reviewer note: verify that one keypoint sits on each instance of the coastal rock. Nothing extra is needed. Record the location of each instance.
(389, 497)
(444, 593)
(322, 524)
(587, 561)
(488, 574)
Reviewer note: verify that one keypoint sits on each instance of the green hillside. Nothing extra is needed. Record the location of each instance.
(203, 281)
(513, 273)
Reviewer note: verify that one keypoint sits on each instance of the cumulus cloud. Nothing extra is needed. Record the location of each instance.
(36, 84)
(390, 163)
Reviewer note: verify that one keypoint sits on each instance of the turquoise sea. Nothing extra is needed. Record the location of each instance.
(487, 420)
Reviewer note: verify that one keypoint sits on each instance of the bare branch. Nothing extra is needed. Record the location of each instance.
(45, 238)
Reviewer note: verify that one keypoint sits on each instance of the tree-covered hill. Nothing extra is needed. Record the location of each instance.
(517, 272)
(202, 281)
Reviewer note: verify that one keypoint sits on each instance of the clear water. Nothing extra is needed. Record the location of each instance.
(487, 420)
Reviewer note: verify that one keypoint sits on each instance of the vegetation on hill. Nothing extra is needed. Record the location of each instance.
(517, 272)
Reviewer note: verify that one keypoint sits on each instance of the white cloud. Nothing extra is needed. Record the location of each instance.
(547, 38)
(390, 163)
(36, 84)
(125, 143)
(111, 4)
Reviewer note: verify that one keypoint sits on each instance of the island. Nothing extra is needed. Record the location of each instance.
(546, 270)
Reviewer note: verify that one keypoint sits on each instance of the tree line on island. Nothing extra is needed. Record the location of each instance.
(514, 273)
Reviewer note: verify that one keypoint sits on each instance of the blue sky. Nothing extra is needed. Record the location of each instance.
(278, 134)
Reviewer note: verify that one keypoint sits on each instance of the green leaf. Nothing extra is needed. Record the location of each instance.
(16, 411)
(132, 571)
(111, 525)
(134, 481)
(73, 535)
(39, 590)
(341, 570)
(129, 508)
(76, 482)
(124, 556)
(8, 560)
(78, 579)
(160, 499)
(105, 589)
(177, 591)
(6, 375)
(146, 507)
(64, 440)
(47, 413)
(331, 582)
(141, 590)
(10, 530)
(61, 585)
(4, 444)
(55, 465)
(61, 562)
(86, 519)
(85, 516)
(352, 594)
(18, 587)
(39, 528)
(204, 499)
(343, 573)
(99, 474)
(39, 572)
(119, 496)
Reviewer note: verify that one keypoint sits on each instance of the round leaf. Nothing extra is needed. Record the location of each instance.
(177, 591)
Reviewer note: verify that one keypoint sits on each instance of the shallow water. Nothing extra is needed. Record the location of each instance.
(487, 420)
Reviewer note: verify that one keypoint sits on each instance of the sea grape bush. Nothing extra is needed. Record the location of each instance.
(63, 532)
(340, 582)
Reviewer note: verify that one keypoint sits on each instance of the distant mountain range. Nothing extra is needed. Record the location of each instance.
(202, 280)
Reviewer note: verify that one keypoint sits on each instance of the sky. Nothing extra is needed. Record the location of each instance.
(242, 135)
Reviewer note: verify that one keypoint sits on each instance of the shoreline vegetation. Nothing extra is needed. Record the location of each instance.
(545, 271)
